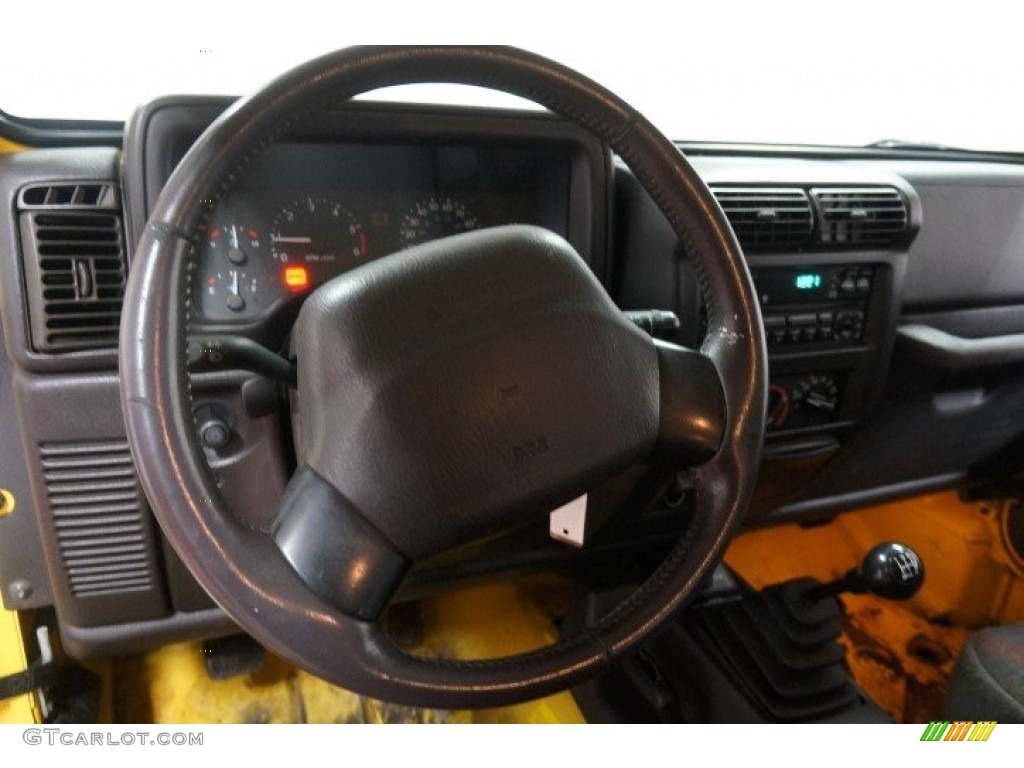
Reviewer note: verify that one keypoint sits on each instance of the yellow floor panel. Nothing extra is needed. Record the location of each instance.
(171, 685)
(902, 653)
(490, 622)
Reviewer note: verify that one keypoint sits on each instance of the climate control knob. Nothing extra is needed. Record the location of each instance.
(818, 394)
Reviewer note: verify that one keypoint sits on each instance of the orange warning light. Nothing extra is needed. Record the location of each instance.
(296, 278)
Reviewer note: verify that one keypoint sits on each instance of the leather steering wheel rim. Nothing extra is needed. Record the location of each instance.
(241, 569)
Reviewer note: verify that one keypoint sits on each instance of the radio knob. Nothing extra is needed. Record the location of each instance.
(849, 326)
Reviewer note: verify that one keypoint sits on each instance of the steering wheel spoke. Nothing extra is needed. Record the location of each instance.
(693, 417)
(336, 551)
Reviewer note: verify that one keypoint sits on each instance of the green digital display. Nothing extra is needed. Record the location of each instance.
(808, 281)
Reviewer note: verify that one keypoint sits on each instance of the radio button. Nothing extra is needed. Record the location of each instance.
(803, 319)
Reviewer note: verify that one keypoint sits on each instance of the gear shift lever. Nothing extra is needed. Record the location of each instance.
(890, 570)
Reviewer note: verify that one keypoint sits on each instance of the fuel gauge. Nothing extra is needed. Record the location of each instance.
(233, 286)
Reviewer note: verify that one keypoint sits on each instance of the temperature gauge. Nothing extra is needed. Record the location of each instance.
(235, 242)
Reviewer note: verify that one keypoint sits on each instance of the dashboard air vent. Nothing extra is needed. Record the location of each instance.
(70, 195)
(865, 217)
(74, 264)
(767, 219)
(96, 505)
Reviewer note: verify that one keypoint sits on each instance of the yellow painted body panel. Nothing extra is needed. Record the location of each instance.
(6, 146)
(902, 653)
(21, 709)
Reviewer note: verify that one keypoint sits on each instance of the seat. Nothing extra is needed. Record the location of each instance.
(988, 681)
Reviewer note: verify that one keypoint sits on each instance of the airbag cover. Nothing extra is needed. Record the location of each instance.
(450, 389)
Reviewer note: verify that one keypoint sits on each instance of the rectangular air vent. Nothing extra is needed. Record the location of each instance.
(68, 195)
(870, 216)
(95, 502)
(74, 277)
(767, 219)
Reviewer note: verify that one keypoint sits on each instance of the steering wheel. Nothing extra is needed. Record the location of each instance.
(446, 392)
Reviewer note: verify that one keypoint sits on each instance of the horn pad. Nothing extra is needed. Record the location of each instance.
(450, 389)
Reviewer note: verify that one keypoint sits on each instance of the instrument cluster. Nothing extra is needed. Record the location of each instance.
(304, 214)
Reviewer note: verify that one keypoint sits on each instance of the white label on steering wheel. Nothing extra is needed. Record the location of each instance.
(568, 523)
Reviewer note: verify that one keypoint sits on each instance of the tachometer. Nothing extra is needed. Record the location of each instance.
(320, 236)
(436, 217)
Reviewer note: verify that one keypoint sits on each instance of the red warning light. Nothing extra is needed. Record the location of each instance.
(296, 278)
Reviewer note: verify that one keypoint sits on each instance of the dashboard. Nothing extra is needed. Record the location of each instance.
(852, 256)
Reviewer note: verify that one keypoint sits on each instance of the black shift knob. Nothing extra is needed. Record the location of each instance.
(891, 570)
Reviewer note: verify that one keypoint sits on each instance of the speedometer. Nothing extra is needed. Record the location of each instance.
(434, 218)
(315, 238)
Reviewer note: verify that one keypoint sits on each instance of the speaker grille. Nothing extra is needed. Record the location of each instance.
(95, 501)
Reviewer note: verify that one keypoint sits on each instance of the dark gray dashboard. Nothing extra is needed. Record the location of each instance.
(861, 414)
(972, 254)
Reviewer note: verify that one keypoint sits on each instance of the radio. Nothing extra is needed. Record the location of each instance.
(814, 306)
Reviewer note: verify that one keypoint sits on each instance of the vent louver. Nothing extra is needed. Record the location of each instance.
(767, 219)
(70, 195)
(868, 216)
(96, 505)
(74, 270)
